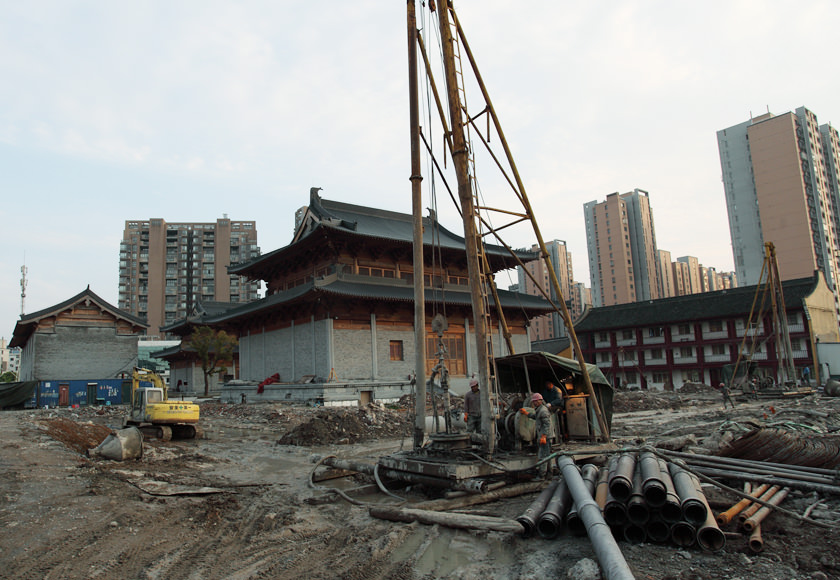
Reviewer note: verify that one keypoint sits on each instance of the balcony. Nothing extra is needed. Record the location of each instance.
(626, 341)
(717, 358)
(684, 360)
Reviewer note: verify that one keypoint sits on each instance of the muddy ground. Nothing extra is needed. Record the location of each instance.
(238, 503)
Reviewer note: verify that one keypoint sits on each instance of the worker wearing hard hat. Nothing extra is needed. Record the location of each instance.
(542, 431)
(472, 408)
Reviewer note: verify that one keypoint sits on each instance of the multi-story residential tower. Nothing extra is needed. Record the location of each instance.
(666, 274)
(550, 325)
(693, 281)
(165, 268)
(780, 177)
(620, 238)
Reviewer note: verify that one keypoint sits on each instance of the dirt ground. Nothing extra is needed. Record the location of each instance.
(238, 503)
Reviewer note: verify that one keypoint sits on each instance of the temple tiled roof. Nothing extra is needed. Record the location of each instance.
(708, 305)
(344, 220)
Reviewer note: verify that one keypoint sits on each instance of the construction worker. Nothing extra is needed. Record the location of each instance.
(542, 431)
(472, 408)
(555, 400)
(724, 390)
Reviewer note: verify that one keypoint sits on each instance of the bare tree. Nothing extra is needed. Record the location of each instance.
(214, 349)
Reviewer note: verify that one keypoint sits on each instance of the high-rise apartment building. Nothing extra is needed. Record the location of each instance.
(165, 268)
(780, 177)
(666, 274)
(620, 238)
(550, 325)
(692, 276)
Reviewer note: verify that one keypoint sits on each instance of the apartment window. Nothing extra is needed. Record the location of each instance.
(655, 331)
(603, 337)
(715, 326)
(686, 352)
(626, 334)
(656, 354)
(684, 329)
(718, 349)
(396, 347)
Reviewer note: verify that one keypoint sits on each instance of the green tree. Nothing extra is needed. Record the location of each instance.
(214, 348)
(8, 377)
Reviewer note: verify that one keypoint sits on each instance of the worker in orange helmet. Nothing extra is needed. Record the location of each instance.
(543, 427)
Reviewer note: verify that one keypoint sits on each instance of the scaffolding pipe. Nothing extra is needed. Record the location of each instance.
(612, 561)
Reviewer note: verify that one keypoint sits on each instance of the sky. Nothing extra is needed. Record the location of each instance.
(115, 111)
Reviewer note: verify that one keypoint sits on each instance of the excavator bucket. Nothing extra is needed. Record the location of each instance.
(120, 445)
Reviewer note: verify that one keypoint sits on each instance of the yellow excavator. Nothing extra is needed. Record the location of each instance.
(155, 414)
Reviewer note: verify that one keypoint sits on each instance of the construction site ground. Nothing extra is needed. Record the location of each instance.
(238, 504)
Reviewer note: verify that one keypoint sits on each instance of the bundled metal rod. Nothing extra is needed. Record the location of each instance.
(550, 521)
(529, 517)
(612, 561)
(670, 510)
(590, 474)
(724, 518)
(745, 466)
(773, 480)
(694, 509)
(621, 479)
(782, 446)
(753, 521)
(652, 485)
(834, 474)
(709, 536)
(755, 506)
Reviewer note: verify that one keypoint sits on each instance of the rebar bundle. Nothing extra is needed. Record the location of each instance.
(776, 445)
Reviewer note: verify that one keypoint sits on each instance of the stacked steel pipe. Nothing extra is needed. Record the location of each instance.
(641, 497)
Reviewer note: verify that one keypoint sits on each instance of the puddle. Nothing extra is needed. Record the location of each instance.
(451, 550)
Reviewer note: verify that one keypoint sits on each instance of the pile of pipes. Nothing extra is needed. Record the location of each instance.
(748, 514)
(642, 498)
(790, 473)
